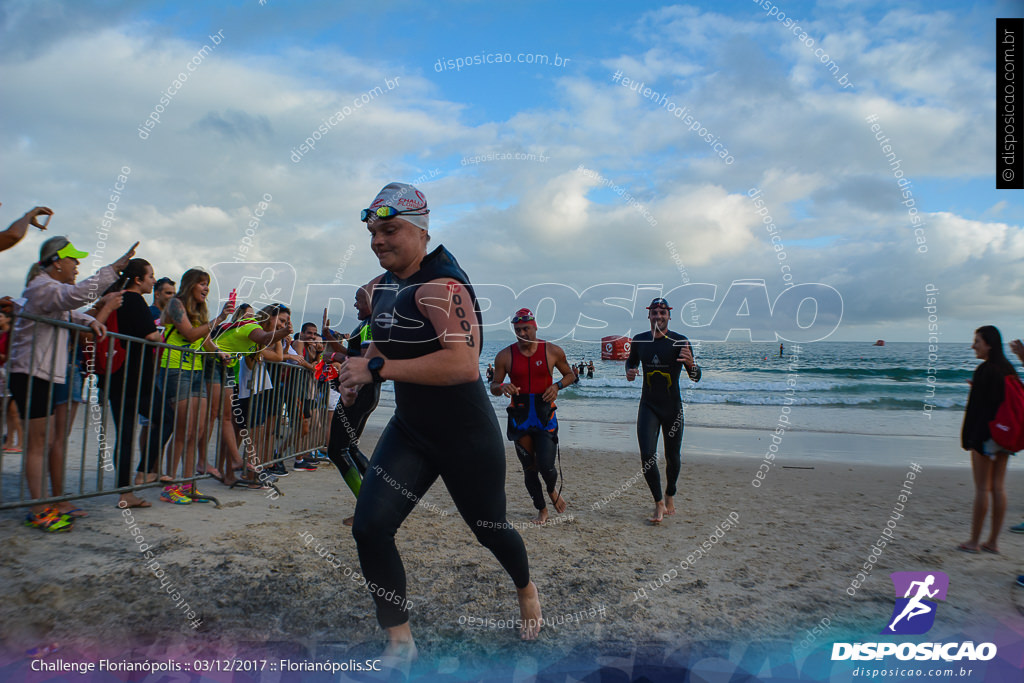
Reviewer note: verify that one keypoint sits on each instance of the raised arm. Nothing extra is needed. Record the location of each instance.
(16, 231)
(176, 315)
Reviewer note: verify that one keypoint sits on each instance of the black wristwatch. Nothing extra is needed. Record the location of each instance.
(374, 366)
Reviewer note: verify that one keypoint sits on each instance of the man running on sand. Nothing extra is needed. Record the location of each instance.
(663, 354)
(532, 424)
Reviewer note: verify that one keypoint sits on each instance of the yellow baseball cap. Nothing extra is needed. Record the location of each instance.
(57, 248)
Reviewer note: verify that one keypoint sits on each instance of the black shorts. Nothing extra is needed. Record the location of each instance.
(43, 404)
(260, 407)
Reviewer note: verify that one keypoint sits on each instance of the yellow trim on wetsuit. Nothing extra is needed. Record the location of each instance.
(648, 374)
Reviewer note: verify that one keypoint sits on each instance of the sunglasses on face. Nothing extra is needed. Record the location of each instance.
(390, 212)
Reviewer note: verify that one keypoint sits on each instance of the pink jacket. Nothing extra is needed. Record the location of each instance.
(48, 298)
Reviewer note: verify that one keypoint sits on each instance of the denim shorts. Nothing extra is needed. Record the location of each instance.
(990, 448)
(73, 385)
(213, 371)
(178, 385)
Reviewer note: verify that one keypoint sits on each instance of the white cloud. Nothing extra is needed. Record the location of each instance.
(72, 111)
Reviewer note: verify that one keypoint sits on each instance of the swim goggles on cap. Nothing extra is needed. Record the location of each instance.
(524, 318)
(390, 212)
(659, 302)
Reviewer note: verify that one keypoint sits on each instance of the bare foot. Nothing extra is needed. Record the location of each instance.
(670, 505)
(529, 612)
(401, 651)
(130, 500)
(212, 471)
(69, 508)
(560, 502)
(659, 513)
(542, 516)
(349, 521)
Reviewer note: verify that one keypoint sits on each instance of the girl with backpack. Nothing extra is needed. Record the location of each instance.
(988, 459)
(131, 370)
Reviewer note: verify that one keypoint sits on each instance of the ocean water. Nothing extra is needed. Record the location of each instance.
(840, 387)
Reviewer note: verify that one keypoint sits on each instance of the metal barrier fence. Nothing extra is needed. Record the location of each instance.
(279, 413)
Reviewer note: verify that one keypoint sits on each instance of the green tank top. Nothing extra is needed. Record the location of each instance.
(172, 358)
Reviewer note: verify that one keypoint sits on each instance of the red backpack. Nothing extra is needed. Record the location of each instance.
(1007, 428)
(104, 355)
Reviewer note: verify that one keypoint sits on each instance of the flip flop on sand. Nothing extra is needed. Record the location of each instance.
(964, 548)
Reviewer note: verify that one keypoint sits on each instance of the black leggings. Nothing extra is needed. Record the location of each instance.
(669, 419)
(542, 462)
(124, 398)
(161, 428)
(472, 466)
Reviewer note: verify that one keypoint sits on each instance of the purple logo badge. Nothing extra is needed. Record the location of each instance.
(914, 612)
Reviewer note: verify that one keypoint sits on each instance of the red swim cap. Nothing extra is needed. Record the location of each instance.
(524, 315)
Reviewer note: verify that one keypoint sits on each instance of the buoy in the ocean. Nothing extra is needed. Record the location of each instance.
(615, 348)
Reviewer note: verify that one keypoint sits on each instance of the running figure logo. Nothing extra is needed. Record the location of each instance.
(914, 613)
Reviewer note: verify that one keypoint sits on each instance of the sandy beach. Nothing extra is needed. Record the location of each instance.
(775, 563)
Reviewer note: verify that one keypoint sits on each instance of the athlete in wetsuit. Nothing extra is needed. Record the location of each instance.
(426, 338)
(532, 424)
(663, 354)
(348, 422)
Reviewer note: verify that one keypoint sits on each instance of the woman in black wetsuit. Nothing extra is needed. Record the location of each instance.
(426, 337)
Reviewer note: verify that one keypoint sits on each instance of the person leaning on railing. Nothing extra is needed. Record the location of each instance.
(278, 385)
(39, 359)
(9, 415)
(180, 377)
(130, 386)
(242, 338)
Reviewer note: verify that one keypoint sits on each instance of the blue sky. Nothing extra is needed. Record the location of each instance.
(78, 79)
